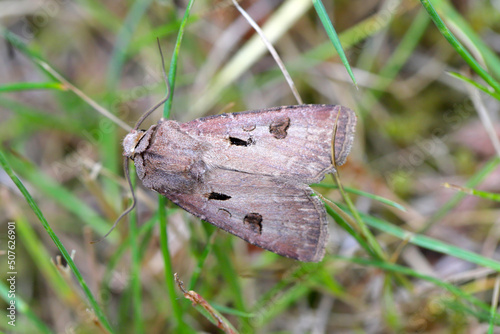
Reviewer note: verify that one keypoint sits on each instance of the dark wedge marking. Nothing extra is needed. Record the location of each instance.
(218, 196)
(240, 142)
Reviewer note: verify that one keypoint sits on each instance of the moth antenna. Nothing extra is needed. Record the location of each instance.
(126, 212)
(165, 77)
(162, 101)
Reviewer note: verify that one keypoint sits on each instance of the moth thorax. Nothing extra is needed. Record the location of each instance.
(130, 142)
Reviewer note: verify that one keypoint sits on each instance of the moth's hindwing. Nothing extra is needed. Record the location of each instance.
(282, 217)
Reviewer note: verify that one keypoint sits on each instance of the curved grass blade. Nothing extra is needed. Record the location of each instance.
(24, 308)
(431, 243)
(476, 179)
(162, 201)
(459, 48)
(119, 54)
(29, 199)
(364, 194)
(388, 266)
(475, 84)
(471, 191)
(334, 38)
(172, 72)
(458, 23)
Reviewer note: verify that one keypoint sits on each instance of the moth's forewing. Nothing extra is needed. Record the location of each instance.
(282, 217)
(294, 142)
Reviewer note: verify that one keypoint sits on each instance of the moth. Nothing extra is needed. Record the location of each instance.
(248, 172)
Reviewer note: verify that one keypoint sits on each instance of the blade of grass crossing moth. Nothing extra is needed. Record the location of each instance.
(162, 201)
(332, 34)
(459, 48)
(29, 199)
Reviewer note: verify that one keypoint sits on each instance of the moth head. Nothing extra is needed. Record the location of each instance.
(130, 142)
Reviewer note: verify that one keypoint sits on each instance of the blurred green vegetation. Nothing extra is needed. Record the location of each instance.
(406, 254)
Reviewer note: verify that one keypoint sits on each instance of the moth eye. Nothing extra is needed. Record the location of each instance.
(254, 221)
(279, 127)
(241, 142)
(218, 196)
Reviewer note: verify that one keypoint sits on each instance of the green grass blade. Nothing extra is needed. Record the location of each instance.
(431, 243)
(29, 199)
(31, 120)
(211, 231)
(19, 86)
(341, 221)
(21, 46)
(479, 193)
(167, 262)
(332, 34)
(42, 259)
(222, 250)
(63, 197)
(125, 34)
(403, 52)
(459, 48)
(172, 73)
(23, 308)
(162, 201)
(475, 84)
(364, 194)
(458, 23)
(476, 179)
(135, 268)
(494, 316)
(388, 266)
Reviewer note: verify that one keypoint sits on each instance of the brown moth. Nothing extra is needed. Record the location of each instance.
(248, 172)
